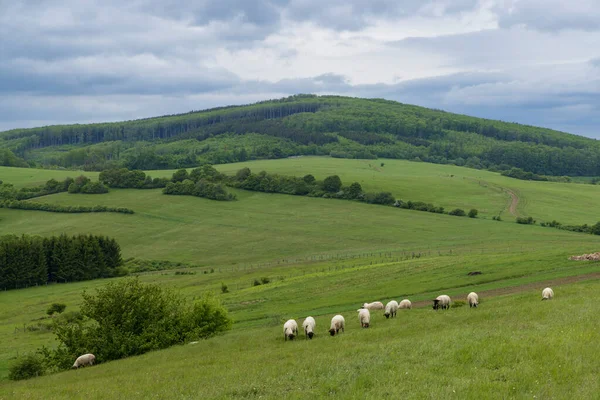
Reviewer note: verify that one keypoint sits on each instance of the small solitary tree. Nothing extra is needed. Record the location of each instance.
(224, 288)
(473, 213)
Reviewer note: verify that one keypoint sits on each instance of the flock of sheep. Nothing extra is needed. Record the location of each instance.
(290, 328)
(338, 323)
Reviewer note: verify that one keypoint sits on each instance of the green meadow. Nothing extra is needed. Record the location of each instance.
(325, 256)
(510, 347)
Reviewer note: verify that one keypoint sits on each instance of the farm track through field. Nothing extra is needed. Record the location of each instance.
(514, 202)
(522, 288)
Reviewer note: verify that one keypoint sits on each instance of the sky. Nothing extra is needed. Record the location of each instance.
(535, 62)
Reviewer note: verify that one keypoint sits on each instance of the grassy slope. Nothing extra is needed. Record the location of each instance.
(263, 227)
(445, 185)
(511, 347)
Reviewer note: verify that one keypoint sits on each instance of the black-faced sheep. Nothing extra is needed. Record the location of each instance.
(309, 327)
(391, 309)
(290, 329)
(442, 302)
(364, 317)
(473, 299)
(547, 294)
(337, 323)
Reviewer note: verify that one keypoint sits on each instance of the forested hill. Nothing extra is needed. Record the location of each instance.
(306, 125)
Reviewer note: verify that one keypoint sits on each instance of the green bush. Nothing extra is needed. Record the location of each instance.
(458, 212)
(332, 184)
(128, 318)
(28, 366)
(224, 288)
(525, 220)
(473, 213)
(264, 280)
(56, 308)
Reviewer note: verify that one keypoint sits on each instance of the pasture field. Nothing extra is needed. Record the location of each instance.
(448, 186)
(512, 346)
(443, 185)
(327, 256)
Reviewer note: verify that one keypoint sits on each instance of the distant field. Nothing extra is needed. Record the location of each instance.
(510, 347)
(445, 185)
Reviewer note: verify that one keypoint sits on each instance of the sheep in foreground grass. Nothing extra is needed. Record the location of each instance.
(85, 360)
(442, 302)
(290, 329)
(376, 305)
(309, 327)
(364, 317)
(405, 305)
(547, 294)
(391, 309)
(473, 299)
(337, 323)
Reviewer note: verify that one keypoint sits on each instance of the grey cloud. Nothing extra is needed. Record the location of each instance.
(550, 15)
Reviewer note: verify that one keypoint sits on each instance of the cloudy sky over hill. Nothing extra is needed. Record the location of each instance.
(529, 61)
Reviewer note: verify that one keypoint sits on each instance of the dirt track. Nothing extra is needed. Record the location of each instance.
(522, 288)
(514, 202)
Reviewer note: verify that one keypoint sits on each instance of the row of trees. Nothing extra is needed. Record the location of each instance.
(30, 260)
(81, 184)
(124, 178)
(58, 208)
(202, 188)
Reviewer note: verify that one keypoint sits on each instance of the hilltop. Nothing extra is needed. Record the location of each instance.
(342, 127)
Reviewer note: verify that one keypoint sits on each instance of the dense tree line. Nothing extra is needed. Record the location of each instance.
(518, 173)
(31, 205)
(8, 159)
(316, 125)
(31, 260)
(124, 178)
(200, 182)
(330, 187)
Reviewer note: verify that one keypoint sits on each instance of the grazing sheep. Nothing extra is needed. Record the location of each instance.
(473, 299)
(364, 316)
(405, 305)
(547, 294)
(391, 309)
(337, 323)
(309, 327)
(290, 329)
(377, 305)
(442, 302)
(84, 360)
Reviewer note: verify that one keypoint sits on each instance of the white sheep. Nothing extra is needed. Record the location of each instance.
(473, 299)
(377, 305)
(405, 305)
(337, 323)
(84, 360)
(309, 327)
(547, 294)
(442, 301)
(364, 317)
(290, 329)
(391, 309)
